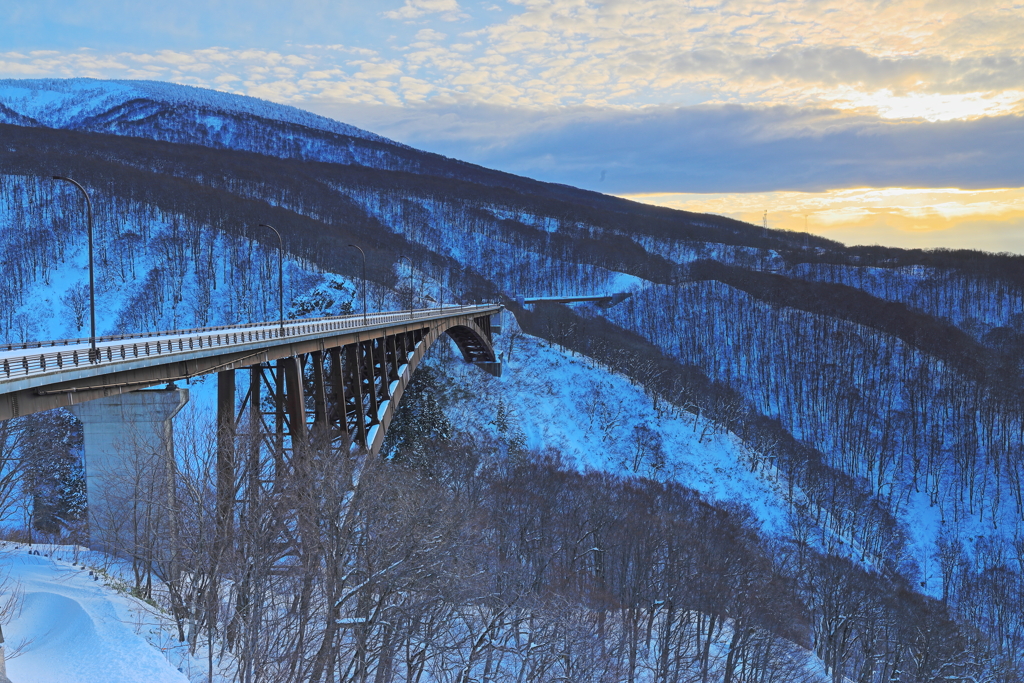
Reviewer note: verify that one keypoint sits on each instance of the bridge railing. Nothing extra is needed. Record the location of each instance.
(127, 347)
(12, 346)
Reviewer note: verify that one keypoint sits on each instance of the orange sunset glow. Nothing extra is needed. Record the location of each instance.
(992, 220)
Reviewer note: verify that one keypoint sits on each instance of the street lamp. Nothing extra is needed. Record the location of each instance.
(280, 273)
(364, 279)
(94, 354)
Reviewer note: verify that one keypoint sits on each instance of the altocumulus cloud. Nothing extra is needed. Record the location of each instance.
(851, 66)
(415, 9)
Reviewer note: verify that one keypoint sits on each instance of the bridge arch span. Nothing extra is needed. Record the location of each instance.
(473, 338)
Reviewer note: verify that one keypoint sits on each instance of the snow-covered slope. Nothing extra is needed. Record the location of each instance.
(8, 115)
(601, 421)
(87, 104)
(185, 114)
(68, 625)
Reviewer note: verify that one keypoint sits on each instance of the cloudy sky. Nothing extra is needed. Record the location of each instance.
(893, 121)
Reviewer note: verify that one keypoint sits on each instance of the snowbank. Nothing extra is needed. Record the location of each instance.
(71, 628)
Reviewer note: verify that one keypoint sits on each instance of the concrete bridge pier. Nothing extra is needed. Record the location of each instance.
(130, 469)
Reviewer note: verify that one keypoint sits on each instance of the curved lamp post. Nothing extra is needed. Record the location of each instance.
(364, 279)
(280, 273)
(94, 354)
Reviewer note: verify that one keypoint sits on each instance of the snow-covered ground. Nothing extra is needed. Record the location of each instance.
(564, 401)
(71, 621)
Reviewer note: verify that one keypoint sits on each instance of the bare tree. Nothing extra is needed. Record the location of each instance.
(76, 300)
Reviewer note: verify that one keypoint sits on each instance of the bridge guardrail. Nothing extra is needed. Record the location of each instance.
(146, 344)
(11, 346)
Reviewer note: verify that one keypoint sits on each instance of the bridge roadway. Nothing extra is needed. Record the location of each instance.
(602, 300)
(39, 376)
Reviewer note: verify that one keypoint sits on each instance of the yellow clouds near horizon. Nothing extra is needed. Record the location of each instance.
(989, 220)
(930, 107)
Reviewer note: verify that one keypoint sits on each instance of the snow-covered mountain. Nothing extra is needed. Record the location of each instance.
(186, 114)
(99, 106)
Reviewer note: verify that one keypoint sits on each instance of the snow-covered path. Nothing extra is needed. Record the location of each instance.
(70, 628)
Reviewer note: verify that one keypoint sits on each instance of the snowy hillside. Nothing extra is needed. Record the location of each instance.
(602, 421)
(185, 114)
(88, 104)
(143, 281)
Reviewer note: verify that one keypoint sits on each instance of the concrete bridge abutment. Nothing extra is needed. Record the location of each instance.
(130, 468)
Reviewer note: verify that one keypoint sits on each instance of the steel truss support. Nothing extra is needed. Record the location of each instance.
(336, 398)
(226, 427)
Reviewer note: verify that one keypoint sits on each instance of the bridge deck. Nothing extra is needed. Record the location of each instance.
(43, 375)
(601, 299)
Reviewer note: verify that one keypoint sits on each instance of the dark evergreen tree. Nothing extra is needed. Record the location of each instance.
(420, 420)
(54, 478)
